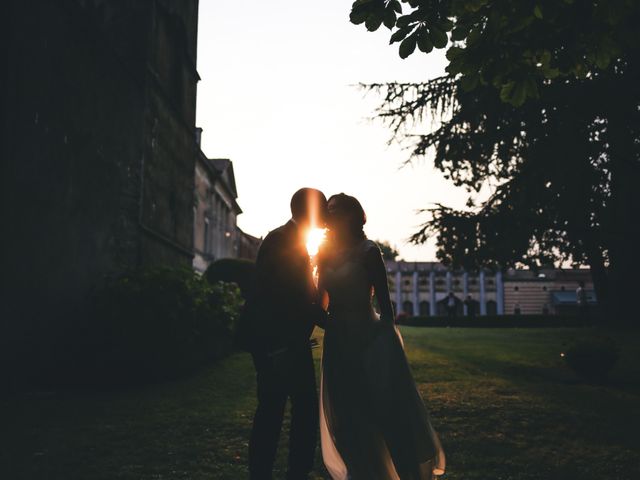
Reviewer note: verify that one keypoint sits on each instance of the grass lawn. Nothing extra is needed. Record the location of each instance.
(505, 406)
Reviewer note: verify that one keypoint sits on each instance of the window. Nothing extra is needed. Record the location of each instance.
(207, 240)
(195, 223)
(407, 307)
(424, 308)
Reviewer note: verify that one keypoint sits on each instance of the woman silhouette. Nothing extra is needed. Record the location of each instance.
(373, 423)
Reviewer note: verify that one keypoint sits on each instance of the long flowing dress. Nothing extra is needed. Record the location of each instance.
(373, 423)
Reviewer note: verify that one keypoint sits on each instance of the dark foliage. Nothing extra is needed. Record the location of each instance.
(233, 270)
(495, 321)
(541, 105)
(388, 252)
(147, 326)
(592, 358)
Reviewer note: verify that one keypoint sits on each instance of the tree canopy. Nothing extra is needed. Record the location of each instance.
(541, 100)
(388, 252)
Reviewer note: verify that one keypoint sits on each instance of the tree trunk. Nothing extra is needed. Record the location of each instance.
(600, 279)
(624, 251)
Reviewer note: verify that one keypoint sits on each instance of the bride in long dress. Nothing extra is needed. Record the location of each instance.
(373, 423)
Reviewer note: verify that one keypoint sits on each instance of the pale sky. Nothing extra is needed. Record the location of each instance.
(277, 97)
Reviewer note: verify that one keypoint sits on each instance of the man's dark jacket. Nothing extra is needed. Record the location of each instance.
(283, 309)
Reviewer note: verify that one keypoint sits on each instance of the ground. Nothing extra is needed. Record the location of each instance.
(505, 405)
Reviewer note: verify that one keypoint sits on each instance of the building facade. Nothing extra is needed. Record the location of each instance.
(215, 212)
(98, 153)
(424, 288)
(548, 291)
(248, 245)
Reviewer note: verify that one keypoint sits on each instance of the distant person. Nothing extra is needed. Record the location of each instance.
(284, 311)
(471, 306)
(451, 305)
(373, 425)
(516, 309)
(582, 300)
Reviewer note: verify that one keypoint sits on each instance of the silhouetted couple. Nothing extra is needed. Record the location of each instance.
(373, 423)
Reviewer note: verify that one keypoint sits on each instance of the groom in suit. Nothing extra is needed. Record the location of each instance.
(285, 310)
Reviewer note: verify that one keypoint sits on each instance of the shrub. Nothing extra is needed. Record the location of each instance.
(233, 270)
(592, 358)
(151, 325)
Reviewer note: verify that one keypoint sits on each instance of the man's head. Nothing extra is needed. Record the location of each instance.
(309, 207)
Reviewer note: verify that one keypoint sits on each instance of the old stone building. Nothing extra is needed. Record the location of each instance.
(422, 288)
(215, 234)
(98, 154)
(551, 290)
(248, 245)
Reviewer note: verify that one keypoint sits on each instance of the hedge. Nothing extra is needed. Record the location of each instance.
(497, 321)
(146, 326)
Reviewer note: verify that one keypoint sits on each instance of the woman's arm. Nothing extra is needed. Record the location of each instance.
(378, 276)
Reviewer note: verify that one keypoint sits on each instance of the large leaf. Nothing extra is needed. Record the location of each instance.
(373, 22)
(438, 37)
(389, 19)
(400, 34)
(404, 21)
(424, 43)
(408, 46)
(358, 15)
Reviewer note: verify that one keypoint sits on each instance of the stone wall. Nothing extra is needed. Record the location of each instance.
(98, 150)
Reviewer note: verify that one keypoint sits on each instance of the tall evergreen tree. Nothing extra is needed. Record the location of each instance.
(541, 100)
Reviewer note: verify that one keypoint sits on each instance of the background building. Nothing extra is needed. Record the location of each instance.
(215, 212)
(550, 290)
(248, 245)
(215, 234)
(422, 288)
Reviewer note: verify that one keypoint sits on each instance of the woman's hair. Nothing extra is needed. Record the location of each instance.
(350, 207)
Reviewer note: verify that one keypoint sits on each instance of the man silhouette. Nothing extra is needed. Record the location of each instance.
(285, 309)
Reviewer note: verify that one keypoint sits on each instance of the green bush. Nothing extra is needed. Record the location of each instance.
(233, 270)
(592, 358)
(151, 325)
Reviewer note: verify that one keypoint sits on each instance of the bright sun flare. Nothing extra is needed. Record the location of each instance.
(315, 237)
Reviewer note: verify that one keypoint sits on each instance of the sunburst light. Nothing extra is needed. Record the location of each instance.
(315, 237)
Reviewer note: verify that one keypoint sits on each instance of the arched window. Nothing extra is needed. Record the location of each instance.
(407, 307)
(424, 308)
